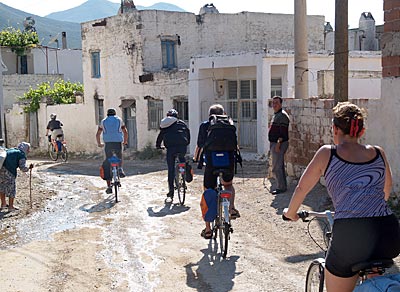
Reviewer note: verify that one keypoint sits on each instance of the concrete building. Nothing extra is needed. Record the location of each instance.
(244, 82)
(39, 65)
(366, 37)
(139, 61)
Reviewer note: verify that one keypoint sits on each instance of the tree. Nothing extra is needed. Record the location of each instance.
(18, 40)
(62, 92)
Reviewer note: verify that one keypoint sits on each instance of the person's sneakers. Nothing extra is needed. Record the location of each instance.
(277, 191)
(121, 172)
(109, 190)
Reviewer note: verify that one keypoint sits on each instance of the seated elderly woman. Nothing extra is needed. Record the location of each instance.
(16, 158)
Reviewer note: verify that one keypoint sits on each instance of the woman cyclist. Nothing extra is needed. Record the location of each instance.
(358, 179)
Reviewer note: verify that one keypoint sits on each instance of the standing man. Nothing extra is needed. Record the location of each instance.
(278, 137)
(114, 135)
(175, 136)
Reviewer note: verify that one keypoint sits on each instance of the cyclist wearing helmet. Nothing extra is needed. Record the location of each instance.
(114, 134)
(55, 126)
(175, 136)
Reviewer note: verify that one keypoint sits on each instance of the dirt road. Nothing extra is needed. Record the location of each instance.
(75, 238)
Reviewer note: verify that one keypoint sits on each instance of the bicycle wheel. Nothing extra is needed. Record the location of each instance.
(64, 153)
(315, 278)
(222, 230)
(116, 185)
(181, 186)
(52, 152)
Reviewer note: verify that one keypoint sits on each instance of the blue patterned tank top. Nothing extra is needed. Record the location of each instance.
(356, 189)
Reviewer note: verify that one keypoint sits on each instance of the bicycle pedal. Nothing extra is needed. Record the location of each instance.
(231, 230)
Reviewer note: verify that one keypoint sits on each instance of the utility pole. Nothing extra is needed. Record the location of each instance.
(341, 51)
(300, 49)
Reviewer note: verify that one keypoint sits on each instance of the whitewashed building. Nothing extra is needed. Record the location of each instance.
(139, 61)
(245, 82)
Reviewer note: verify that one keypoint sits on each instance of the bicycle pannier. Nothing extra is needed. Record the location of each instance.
(208, 205)
(188, 172)
(105, 170)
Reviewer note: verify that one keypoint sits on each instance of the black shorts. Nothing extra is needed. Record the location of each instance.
(357, 240)
(210, 179)
(113, 146)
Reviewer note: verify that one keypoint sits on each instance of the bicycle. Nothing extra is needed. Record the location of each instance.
(115, 181)
(58, 147)
(315, 278)
(222, 224)
(180, 179)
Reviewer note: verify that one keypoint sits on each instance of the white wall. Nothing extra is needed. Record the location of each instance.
(55, 61)
(261, 66)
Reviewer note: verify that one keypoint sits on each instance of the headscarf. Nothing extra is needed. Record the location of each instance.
(24, 147)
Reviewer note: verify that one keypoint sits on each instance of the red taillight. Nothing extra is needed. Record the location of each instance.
(226, 195)
(114, 164)
(181, 165)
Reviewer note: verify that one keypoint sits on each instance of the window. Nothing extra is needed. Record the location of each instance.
(99, 105)
(168, 48)
(155, 108)
(95, 58)
(182, 106)
(276, 87)
(247, 99)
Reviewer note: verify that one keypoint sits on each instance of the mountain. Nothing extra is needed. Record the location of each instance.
(95, 9)
(45, 27)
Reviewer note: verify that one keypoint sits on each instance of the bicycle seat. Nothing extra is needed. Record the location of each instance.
(223, 171)
(374, 264)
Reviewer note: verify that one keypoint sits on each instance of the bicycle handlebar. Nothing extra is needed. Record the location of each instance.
(304, 214)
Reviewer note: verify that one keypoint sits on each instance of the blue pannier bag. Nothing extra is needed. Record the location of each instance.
(387, 283)
(220, 159)
(208, 205)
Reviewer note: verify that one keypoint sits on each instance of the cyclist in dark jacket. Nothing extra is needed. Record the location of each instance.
(175, 136)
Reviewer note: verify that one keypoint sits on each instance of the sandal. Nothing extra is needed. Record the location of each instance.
(234, 214)
(13, 209)
(206, 234)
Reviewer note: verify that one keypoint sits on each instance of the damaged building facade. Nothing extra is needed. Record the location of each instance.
(139, 61)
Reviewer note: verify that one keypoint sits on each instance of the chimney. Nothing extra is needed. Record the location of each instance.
(64, 40)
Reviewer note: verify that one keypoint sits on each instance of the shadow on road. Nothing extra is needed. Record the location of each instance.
(168, 209)
(212, 272)
(106, 204)
(92, 167)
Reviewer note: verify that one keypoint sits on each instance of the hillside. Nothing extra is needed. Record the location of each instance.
(95, 9)
(45, 27)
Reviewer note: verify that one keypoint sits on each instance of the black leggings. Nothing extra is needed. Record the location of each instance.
(356, 240)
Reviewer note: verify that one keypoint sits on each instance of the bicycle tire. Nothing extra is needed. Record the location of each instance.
(64, 153)
(52, 152)
(221, 229)
(315, 278)
(116, 191)
(181, 189)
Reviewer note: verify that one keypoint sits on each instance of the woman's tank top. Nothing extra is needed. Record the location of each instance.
(356, 189)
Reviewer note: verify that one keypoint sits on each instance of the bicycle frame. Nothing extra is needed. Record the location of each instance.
(114, 164)
(222, 223)
(317, 266)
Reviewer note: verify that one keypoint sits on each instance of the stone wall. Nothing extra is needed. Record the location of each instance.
(310, 128)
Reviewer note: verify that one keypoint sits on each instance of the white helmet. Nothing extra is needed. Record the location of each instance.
(53, 116)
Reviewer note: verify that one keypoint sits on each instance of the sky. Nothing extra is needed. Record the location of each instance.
(314, 7)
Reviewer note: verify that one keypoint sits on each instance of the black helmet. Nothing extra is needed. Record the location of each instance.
(172, 113)
(111, 112)
(53, 116)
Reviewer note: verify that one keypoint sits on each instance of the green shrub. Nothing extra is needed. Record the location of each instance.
(62, 92)
(18, 40)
